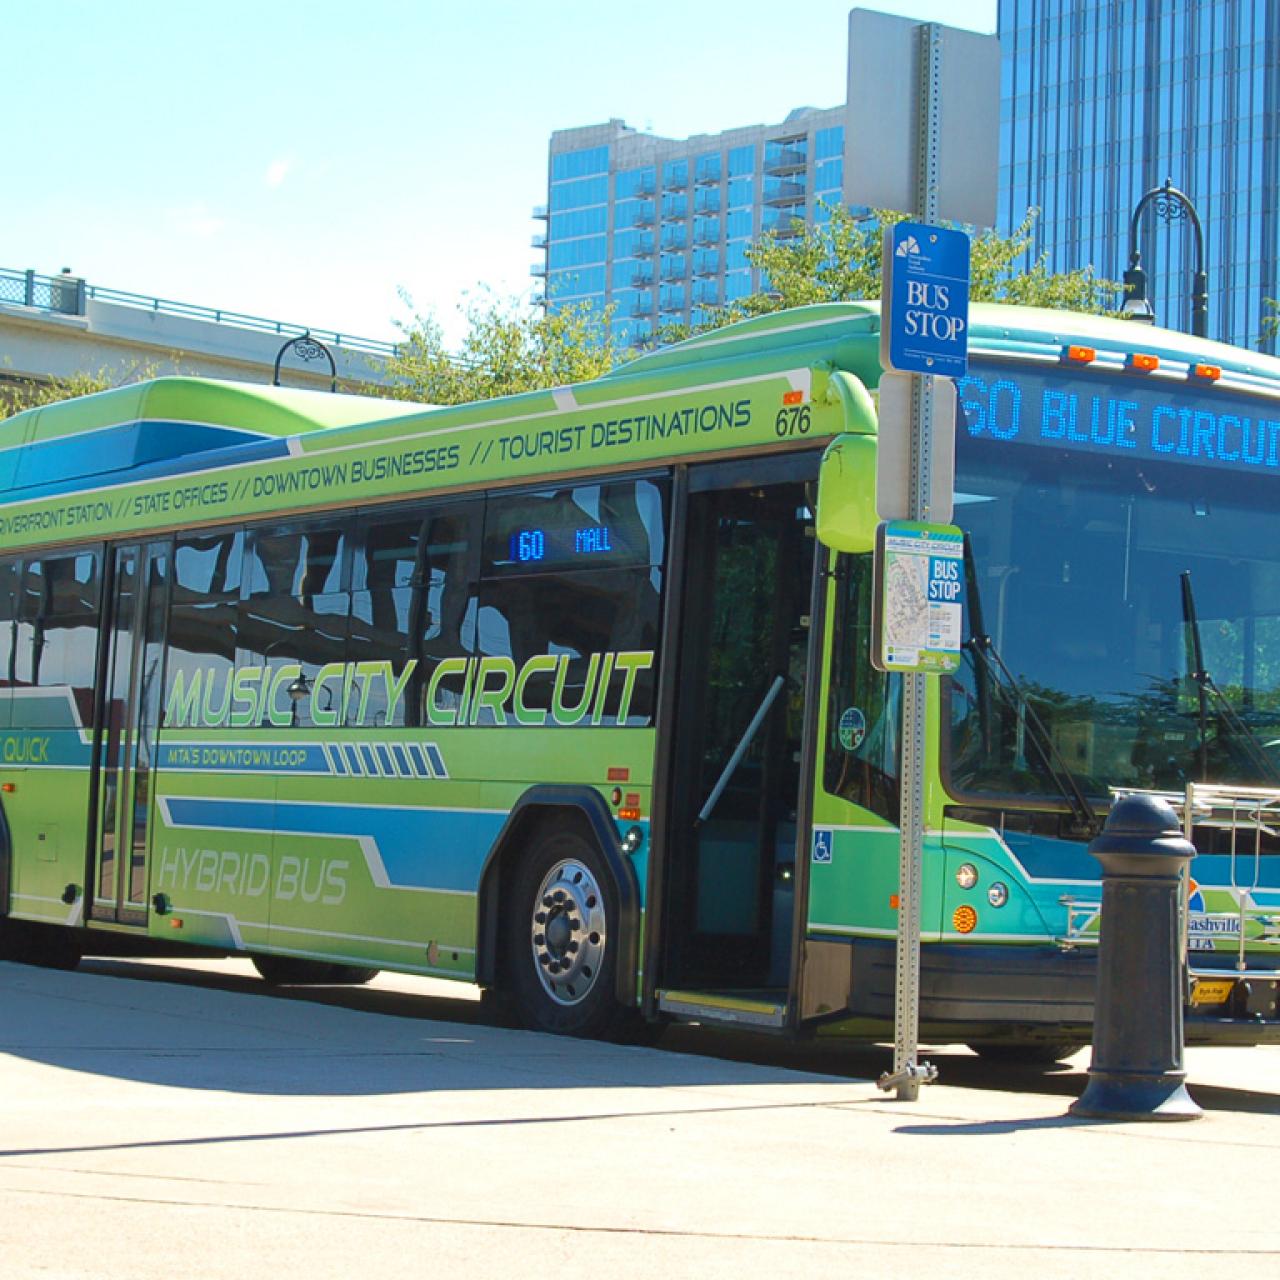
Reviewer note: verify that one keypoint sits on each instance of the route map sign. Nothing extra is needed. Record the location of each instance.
(918, 597)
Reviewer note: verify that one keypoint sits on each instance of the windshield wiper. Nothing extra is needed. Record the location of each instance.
(1206, 687)
(981, 645)
(981, 674)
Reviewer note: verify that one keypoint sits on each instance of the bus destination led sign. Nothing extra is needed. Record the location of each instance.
(553, 546)
(1174, 423)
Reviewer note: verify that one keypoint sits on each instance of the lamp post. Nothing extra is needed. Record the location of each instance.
(1171, 205)
(307, 348)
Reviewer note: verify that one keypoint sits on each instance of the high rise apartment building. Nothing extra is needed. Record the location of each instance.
(1102, 100)
(658, 227)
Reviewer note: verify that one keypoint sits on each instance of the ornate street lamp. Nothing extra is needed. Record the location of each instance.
(1172, 205)
(307, 348)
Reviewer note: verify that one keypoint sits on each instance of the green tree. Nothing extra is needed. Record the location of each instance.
(509, 346)
(839, 260)
(27, 393)
(1270, 321)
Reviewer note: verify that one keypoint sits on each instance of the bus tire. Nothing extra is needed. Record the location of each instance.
(1026, 1053)
(560, 957)
(292, 971)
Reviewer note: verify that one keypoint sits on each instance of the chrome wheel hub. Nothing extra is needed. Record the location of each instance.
(568, 932)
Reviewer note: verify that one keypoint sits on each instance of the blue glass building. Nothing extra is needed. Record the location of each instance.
(658, 227)
(1101, 100)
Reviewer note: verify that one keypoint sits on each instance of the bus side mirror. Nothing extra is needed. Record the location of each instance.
(847, 478)
(847, 516)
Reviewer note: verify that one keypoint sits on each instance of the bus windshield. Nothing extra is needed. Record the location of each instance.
(1086, 500)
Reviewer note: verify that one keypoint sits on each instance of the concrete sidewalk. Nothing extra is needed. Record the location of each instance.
(157, 1129)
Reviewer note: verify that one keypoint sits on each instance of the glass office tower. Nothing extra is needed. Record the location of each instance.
(1101, 100)
(659, 227)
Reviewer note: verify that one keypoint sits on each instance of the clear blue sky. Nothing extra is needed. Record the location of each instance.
(308, 161)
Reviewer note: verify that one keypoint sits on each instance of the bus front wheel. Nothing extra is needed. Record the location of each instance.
(560, 957)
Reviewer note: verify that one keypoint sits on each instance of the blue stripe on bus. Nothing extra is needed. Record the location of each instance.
(432, 752)
(1213, 871)
(1046, 858)
(235, 446)
(418, 848)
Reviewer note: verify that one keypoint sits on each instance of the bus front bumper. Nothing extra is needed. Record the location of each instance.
(981, 992)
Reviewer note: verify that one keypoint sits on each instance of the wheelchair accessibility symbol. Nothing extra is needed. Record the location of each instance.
(822, 846)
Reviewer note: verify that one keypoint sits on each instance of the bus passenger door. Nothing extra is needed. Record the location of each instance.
(126, 727)
(736, 742)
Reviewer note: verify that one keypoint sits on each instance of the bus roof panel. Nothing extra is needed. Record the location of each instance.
(1037, 330)
(167, 420)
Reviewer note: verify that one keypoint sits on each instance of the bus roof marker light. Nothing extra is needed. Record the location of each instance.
(1208, 372)
(1077, 354)
(1142, 362)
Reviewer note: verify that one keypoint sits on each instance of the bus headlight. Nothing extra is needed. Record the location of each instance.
(998, 894)
(966, 875)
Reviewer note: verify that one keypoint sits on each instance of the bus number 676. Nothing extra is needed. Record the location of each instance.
(792, 420)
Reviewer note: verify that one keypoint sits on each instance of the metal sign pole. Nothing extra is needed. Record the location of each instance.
(908, 1073)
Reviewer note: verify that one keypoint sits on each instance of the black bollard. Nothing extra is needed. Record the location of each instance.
(1137, 1072)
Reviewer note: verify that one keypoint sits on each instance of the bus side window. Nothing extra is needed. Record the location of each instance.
(10, 571)
(572, 578)
(584, 620)
(294, 608)
(863, 704)
(446, 580)
(414, 583)
(298, 560)
(57, 639)
(202, 623)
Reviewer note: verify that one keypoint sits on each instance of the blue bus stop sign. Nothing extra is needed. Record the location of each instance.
(925, 309)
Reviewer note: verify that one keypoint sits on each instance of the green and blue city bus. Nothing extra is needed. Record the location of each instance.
(569, 694)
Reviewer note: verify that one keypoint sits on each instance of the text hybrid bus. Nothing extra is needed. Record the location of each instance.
(570, 695)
